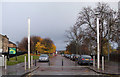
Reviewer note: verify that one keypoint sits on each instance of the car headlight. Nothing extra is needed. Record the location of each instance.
(46, 58)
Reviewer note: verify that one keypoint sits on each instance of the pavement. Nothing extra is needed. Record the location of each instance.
(111, 68)
(17, 69)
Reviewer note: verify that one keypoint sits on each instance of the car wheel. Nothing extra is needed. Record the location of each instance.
(91, 64)
(80, 63)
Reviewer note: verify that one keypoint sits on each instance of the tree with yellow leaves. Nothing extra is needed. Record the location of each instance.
(40, 47)
(53, 49)
(45, 46)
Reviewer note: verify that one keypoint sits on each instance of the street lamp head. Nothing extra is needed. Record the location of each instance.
(97, 13)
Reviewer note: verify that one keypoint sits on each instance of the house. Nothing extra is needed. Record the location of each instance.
(4, 41)
(11, 44)
(0, 43)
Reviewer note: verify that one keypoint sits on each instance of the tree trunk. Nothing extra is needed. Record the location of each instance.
(36, 52)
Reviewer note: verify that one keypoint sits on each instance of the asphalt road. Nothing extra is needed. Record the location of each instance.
(56, 68)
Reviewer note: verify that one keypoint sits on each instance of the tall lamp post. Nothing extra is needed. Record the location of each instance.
(28, 43)
(98, 49)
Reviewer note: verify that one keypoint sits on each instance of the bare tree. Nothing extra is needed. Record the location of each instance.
(84, 31)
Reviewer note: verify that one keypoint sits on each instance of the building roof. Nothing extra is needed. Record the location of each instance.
(12, 43)
(4, 36)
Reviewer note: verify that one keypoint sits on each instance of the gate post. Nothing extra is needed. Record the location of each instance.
(35, 62)
(25, 62)
(93, 61)
(31, 60)
(103, 63)
(5, 62)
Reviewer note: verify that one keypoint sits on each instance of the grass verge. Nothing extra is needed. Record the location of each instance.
(20, 59)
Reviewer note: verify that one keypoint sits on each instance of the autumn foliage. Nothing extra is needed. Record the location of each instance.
(38, 45)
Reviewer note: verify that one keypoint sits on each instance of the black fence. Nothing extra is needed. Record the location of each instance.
(12, 55)
(115, 57)
(96, 56)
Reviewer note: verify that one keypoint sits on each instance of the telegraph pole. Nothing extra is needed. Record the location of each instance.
(28, 43)
(98, 49)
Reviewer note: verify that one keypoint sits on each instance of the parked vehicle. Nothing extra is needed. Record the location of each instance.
(76, 57)
(72, 57)
(62, 54)
(68, 56)
(44, 57)
(85, 59)
(55, 54)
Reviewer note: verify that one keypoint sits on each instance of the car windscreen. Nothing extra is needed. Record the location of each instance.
(43, 55)
(86, 57)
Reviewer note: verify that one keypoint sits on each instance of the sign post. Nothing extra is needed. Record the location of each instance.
(12, 51)
(93, 61)
(25, 62)
(5, 62)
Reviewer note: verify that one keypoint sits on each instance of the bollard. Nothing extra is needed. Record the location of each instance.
(49, 63)
(8, 57)
(35, 62)
(102, 62)
(25, 62)
(31, 60)
(93, 61)
(62, 62)
(5, 62)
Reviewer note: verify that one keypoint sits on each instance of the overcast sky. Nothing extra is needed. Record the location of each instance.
(48, 19)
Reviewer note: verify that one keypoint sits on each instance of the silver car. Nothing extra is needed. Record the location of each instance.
(44, 57)
(85, 59)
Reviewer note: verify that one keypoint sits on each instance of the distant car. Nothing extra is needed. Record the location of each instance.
(43, 57)
(68, 56)
(55, 54)
(65, 55)
(76, 57)
(72, 57)
(62, 54)
(85, 59)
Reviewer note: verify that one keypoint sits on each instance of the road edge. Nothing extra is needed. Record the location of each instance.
(101, 72)
(29, 71)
